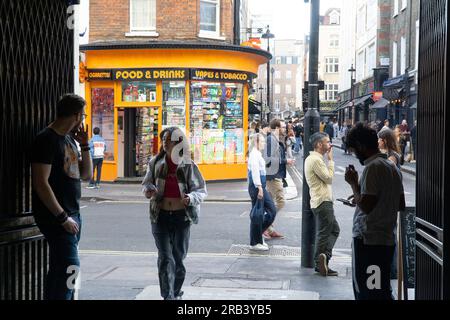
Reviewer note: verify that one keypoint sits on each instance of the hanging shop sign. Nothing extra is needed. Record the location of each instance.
(221, 75)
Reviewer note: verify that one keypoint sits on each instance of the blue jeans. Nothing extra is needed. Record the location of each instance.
(258, 226)
(63, 260)
(171, 235)
(298, 144)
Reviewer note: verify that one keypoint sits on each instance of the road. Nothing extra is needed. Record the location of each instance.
(121, 226)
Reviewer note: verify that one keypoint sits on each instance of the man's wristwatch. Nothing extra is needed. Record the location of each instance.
(62, 217)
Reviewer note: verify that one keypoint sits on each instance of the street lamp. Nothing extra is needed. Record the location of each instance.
(268, 36)
(352, 112)
(261, 100)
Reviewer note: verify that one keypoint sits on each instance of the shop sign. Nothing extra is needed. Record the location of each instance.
(150, 74)
(99, 74)
(220, 75)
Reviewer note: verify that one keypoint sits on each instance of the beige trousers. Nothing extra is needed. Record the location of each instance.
(275, 188)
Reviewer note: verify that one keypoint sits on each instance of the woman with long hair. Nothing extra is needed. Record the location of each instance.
(176, 189)
(258, 193)
(388, 144)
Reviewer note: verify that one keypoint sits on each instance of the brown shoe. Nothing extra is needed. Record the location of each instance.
(275, 234)
(322, 265)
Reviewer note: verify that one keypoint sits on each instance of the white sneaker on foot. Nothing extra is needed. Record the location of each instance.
(259, 247)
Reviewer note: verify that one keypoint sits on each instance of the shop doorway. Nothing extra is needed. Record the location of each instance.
(137, 136)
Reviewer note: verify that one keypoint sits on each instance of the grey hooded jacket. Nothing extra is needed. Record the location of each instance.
(190, 183)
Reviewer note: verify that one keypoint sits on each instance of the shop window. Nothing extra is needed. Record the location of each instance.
(216, 127)
(210, 17)
(146, 137)
(142, 15)
(102, 103)
(174, 105)
(138, 91)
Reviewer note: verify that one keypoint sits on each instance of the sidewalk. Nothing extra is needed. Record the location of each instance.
(407, 167)
(237, 275)
(235, 191)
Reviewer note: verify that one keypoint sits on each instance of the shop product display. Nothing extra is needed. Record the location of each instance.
(147, 137)
(139, 91)
(216, 118)
(174, 105)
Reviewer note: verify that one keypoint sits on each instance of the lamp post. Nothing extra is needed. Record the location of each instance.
(351, 114)
(267, 35)
(311, 122)
(261, 100)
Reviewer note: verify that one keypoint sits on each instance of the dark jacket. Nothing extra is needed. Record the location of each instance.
(275, 156)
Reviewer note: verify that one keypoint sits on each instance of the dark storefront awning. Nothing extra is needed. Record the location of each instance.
(380, 104)
(253, 107)
(363, 99)
(341, 105)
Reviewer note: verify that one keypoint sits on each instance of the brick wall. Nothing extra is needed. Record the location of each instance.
(175, 20)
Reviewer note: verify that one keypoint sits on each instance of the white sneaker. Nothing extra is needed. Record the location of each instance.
(259, 247)
(265, 244)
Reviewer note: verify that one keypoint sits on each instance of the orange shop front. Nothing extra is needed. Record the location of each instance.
(133, 94)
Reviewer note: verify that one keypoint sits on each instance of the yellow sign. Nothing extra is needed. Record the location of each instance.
(151, 74)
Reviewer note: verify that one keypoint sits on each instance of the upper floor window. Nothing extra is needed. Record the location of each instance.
(277, 74)
(332, 65)
(334, 41)
(334, 18)
(395, 7)
(210, 16)
(404, 4)
(288, 74)
(288, 60)
(142, 15)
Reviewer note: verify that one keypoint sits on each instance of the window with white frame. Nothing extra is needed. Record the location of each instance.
(277, 60)
(394, 59)
(277, 89)
(404, 4)
(395, 7)
(361, 21)
(288, 74)
(371, 59)
(402, 55)
(334, 18)
(360, 65)
(332, 65)
(288, 60)
(331, 91)
(210, 17)
(277, 74)
(372, 12)
(288, 89)
(142, 15)
(334, 41)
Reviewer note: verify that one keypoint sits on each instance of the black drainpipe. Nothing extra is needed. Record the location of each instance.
(237, 22)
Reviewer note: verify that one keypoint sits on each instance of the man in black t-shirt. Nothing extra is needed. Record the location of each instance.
(298, 130)
(57, 169)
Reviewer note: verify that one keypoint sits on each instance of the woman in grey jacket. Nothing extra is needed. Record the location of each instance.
(176, 189)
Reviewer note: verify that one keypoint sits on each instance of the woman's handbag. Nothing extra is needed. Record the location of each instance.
(257, 213)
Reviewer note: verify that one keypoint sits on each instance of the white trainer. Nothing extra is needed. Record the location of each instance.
(259, 247)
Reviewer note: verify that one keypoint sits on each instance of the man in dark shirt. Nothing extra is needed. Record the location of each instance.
(56, 171)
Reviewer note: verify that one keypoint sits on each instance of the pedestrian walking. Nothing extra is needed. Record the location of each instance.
(335, 129)
(176, 189)
(57, 168)
(389, 146)
(98, 147)
(414, 140)
(345, 131)
(298, 130)
(378, 196)
(275, 156)
(290, 143)
(319, 177)
(329, 130)
(258, 193)
(401, 143)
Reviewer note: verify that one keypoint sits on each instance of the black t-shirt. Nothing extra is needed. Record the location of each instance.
(62, 154)
(298, 129)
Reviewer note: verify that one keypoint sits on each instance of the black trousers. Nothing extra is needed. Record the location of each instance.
(97, 165)
(171, 234)
(371, 266)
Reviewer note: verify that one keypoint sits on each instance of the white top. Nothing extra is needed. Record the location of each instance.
(256, 166)
(383, 180)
